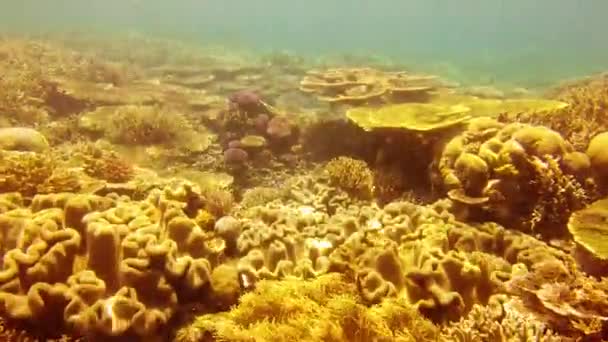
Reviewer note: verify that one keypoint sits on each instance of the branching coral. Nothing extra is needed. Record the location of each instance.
(29, 173)
(351, 175)
(218, 202)
(259, 196)
(144, 125)
(499, 322)
(586, 115)
(106, 165)
(327, 308)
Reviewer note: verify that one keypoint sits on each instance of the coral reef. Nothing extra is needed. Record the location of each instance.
(155, 190)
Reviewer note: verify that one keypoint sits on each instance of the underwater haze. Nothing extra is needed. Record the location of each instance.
(482, 41)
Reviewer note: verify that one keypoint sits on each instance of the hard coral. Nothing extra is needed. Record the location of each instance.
(589, 228)
(511, 174)
(357, 86)
(583, 118)
(107, 165)
(574, 306)
(218, 202)
(351, 175)
(22, 139)
(24, 172)
(144, 125)
(597, 152)
(327, 308)
(247, 101)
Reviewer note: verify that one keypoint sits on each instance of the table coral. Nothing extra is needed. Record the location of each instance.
(361, 86)
(590, 231)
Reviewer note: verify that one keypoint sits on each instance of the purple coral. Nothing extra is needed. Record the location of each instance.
(235, 156)
(246, 100)
(235, 144)
(261, 122)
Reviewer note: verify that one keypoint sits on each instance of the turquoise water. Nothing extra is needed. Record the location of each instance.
(520, 42)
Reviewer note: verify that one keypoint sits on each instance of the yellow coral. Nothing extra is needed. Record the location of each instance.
(325, 309)
(590, 229)
(107, 165)
(204, 219)
(413, 116)
(143, 125)
(351, 175)
(24, 171)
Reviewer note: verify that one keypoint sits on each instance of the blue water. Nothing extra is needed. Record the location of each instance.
(520, 42)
